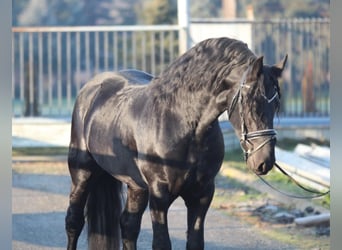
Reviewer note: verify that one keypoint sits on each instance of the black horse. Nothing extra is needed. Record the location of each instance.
(163, 140)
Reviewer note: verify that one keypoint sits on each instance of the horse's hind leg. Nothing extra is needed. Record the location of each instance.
(80, 175)
(131, 217)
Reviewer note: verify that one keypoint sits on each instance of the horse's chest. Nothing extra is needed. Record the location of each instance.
(204, 163)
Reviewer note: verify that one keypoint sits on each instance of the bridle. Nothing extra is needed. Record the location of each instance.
(268, 134)
(247, 137)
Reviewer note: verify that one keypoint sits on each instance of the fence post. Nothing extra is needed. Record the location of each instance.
(183, 23)
(31, 90)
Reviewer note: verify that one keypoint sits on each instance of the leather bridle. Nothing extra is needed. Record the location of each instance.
(269, 135)
(246, 137)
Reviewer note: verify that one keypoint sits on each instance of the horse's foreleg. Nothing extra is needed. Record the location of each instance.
(197, 209)
(159, 205)
(130, 220)
(74, 220)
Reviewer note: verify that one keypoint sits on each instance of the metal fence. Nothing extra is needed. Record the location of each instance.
(50, 64)
(306, 81)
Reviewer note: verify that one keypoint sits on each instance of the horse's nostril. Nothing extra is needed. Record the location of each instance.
(261, 168)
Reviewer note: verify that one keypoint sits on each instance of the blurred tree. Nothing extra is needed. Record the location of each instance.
(206, 9)
(266, 9)
(72, 12)
(28, 12)
(17, 8)
(269, 8)
(118, 12)
(157, 11)
(108, 12)
(62, 13)
(154, 12)
(123, 11)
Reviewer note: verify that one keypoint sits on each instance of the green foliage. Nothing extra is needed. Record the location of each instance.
(40, 151)
(234, 159)
(205, 8)
(17, 8)
(73, 12)
(157, 12)
(266, 9)
(263, 9)
(289, 144)
(129, 12)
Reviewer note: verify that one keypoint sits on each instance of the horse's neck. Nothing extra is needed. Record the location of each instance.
(206, 107)
(209, 115)
(199, 110)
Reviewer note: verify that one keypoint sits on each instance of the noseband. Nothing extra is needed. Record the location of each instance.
(247, 137)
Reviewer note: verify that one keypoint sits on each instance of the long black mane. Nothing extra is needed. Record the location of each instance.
(206, 63)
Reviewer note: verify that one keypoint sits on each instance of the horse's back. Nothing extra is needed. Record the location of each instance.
(108, 84)
(90, 90)
(103, 104)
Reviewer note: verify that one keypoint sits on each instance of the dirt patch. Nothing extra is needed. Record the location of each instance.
(269, 216)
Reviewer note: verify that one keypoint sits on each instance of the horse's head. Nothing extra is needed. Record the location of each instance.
(254, 102)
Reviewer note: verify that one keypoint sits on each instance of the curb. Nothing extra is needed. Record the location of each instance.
(39, 158)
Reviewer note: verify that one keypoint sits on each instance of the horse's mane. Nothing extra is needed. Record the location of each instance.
(206, 64)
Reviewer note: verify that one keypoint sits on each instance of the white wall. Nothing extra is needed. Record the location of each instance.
(202, 31)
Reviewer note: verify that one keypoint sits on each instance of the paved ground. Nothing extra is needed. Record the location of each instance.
(40, 200)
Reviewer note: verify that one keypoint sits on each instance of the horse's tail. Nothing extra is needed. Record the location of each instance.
(103, 210)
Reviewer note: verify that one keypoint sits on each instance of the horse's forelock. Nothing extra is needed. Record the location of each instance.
(259, 90)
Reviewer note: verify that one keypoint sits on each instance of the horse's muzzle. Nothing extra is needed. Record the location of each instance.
(262, 161)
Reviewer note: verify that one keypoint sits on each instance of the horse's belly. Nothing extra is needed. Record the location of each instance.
(134, 182)
(115, 155)
(123, 168)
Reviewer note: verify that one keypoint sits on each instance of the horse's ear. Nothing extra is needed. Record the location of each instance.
(278, 68)
(257, 66)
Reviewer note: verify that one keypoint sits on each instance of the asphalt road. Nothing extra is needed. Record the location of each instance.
(39, 202)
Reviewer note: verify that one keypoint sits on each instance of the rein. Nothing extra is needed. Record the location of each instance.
(315, 194)
(270, 135)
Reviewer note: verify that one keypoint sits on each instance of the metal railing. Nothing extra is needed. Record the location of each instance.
(50, 64)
